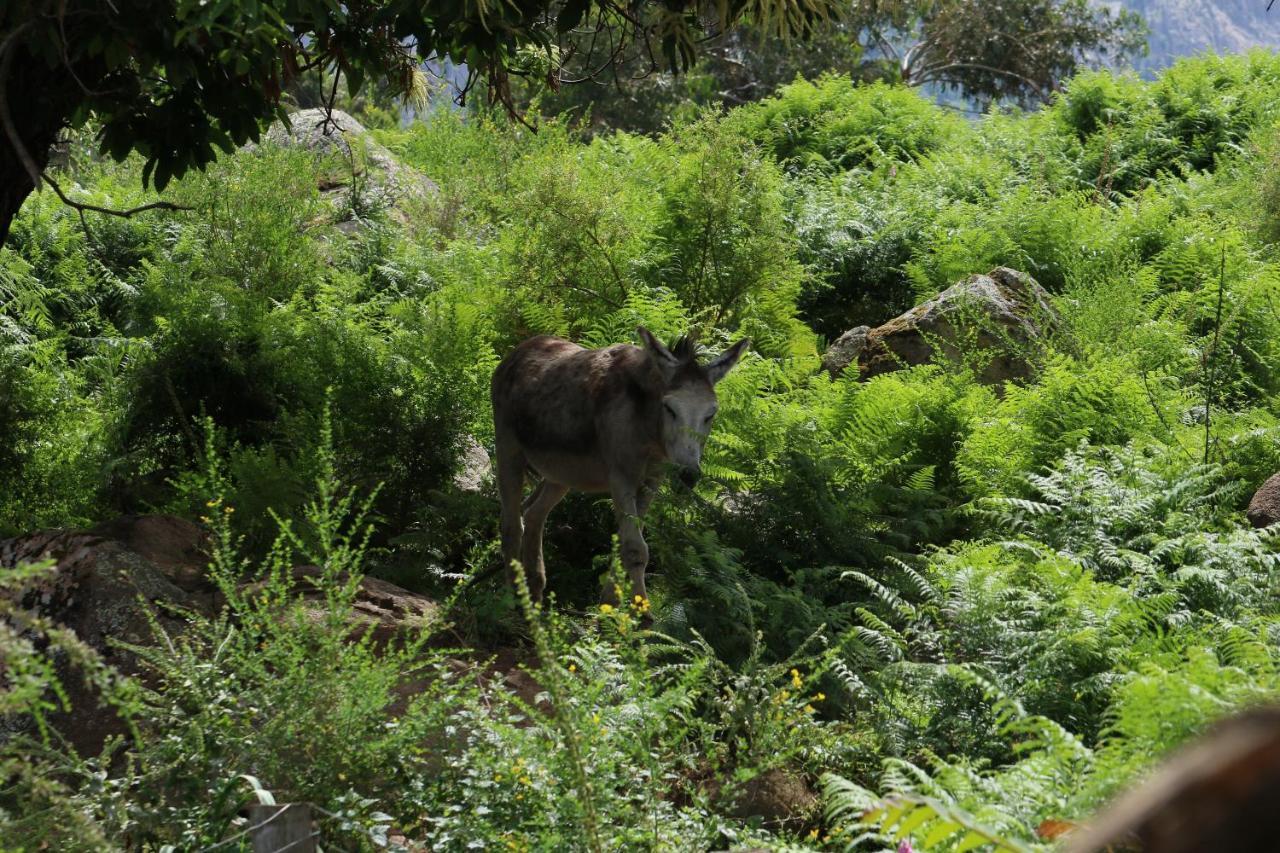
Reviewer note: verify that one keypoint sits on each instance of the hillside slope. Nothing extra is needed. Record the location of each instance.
(1185, 27)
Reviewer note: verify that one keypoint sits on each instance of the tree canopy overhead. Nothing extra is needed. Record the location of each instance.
(1007, 49)
(175, 80)
(979, 50)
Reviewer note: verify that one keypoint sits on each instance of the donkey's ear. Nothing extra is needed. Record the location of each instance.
(662, 356)
(723, 363)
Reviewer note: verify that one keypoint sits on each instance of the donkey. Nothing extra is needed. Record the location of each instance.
(598, 420)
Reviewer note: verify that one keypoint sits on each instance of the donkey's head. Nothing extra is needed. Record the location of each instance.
(688, 398)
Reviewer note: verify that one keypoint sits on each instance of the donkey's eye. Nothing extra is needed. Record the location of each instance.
(670, 411)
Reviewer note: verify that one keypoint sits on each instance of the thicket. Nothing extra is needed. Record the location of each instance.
(1010, 600)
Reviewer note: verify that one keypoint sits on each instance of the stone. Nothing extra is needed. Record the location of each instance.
(1264, 508)
(180, 548)
(1217, 793)
(477, 468)
(1001, 320)
(96, 589)
(104, 579)
(845, 350)
(371, 168)
(381, 609)
(778, 796)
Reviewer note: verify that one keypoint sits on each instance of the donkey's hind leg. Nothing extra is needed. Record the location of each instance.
(510, 473)
(536, 508)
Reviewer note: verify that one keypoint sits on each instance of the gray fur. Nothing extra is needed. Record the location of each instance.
(603, 420)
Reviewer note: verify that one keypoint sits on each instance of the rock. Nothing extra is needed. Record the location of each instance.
(1264, 508)
(100, 575)
(476, 468)
(1217, 793)
(778, 796)
(94, 590)
(322, 132)
(845, 350)
(381, 609)
(382, 180)
(180, 548)
(1005, 314)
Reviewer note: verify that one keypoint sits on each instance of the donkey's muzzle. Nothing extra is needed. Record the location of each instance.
(689, 476)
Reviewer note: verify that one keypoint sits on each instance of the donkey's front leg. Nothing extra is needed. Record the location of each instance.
(634, 551)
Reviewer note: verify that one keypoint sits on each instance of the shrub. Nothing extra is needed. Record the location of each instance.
(835, 124)
(723, 245)
(1098, 399)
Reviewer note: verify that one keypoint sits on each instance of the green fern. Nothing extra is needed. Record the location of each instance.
(928, 823)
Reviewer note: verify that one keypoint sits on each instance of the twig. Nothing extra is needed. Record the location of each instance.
(1155, 407)
(1213, 354)
(333, 99)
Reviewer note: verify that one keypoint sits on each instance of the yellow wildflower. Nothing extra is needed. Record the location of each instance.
(809, 709)
(819, 697)
(813, 834)
(795, 678)
(573, 667)
(606, 608)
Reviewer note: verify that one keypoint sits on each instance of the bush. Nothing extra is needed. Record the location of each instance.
(835, 124)
(1098, 399)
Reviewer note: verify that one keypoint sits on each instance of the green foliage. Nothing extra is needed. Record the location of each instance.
(833, 124)
(1011, 600)
(1199, 111)
(1100, 400)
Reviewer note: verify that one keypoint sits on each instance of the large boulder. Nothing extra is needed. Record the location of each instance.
(106, 579)
(365, 166)
(845, 350)
(97, 588)
(998, 321)
(1264, 509)
(380, 609)
(778, 796)
(1217, 793)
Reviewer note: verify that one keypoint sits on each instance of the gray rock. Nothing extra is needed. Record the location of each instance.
(998, 321)
(476, 468)
(381, 610)
(370, 169)
(96, 589)
(845, 350)
(1264, 508)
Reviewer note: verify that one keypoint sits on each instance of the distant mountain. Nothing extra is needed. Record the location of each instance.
(1185, 27)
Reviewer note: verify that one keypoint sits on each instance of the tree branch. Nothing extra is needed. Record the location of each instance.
(123, 214)
(934, 74)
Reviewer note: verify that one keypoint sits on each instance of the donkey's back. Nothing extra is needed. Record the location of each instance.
(570, 410)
